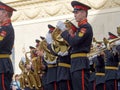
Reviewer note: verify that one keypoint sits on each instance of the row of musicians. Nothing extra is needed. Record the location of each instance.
(104, 72)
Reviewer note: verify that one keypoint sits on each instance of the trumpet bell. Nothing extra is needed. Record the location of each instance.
(118, 31)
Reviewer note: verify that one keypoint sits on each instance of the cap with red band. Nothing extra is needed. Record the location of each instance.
(112, 36)
(51, 28)
(3, 6)
(79, 6)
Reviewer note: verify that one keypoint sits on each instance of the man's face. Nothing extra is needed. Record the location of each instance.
(79, 15)
(2, 15)
(39, 52)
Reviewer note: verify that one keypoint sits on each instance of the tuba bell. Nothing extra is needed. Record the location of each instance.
(48, 56)
(59, 44)
(118, 31)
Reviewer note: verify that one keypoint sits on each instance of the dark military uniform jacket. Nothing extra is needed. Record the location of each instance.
(99, 69)
(6, 45)
(44, 77)
(51, 75)
(63, 69)
(111, 65)
(80, 43)
(118, 73)
(92, 73)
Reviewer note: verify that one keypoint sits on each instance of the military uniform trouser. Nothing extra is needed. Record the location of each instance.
(111, 85)
(101, 86)
(118, 84)
(92, 85)
(27, 88)
(5, 81)
(44, 87)
(51, 86)
(80, 79)
(64, 85)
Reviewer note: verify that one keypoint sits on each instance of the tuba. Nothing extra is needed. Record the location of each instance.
(59, 44)
(48, 56)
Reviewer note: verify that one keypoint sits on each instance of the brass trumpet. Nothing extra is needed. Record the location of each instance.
(97, 48)
(110, 43)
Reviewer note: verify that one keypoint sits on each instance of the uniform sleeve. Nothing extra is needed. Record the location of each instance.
(79, 38)
(116, 59)
(101, 60)
(14, 83)
(3, 35)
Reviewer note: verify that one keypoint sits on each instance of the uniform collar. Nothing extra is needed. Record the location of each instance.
(6, 22)
(82, 22)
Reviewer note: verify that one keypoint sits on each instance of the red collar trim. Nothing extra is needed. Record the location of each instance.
(6, 23)
(82, 22)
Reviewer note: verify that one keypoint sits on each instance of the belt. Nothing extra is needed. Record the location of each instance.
(111, 68)
(99, 74)
(4, 55)
(64, 65)
(51, 65)
(119, 63)
(78, 55)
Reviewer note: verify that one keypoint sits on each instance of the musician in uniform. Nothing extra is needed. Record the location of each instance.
(48, 35)
(116, 49)
(43, 74)
(6, 45)
(37, 42)
(118, 73)
(51, 75)
(100, 71)
(64, 62)
(80, 46)
(63, 72)
(92, 75)
(111, 66)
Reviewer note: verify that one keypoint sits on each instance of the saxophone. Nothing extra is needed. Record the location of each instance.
(36, 62)
(21, 79)
(29, 75)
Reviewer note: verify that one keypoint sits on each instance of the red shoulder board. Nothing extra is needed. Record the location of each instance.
(3, 33)
(82, 32)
